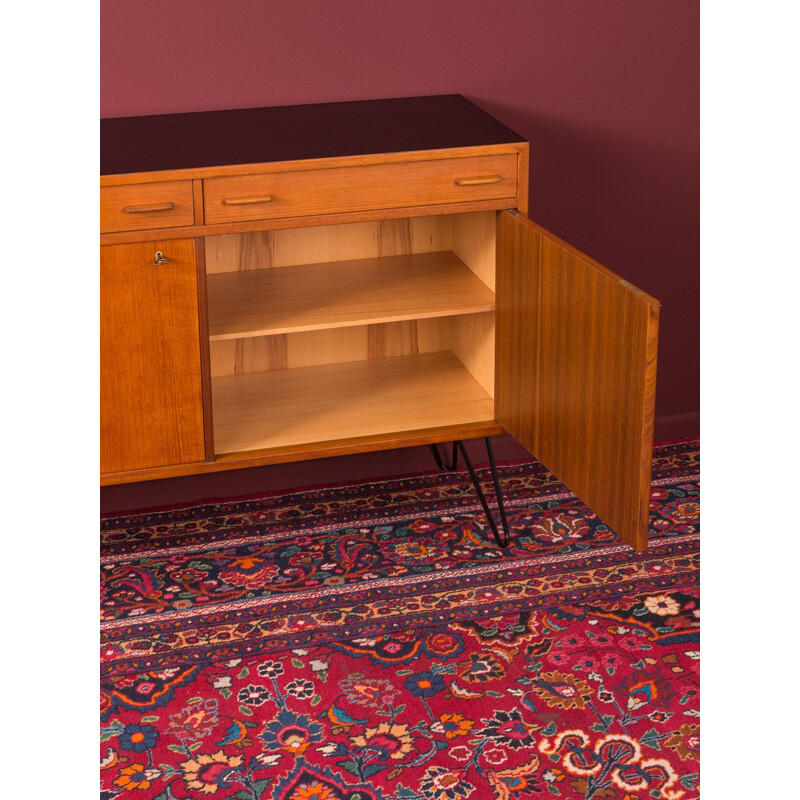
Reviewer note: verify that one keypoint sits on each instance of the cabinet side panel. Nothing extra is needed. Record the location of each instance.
(474, 243)
(472, 341)
(151, 405)
(576, 371)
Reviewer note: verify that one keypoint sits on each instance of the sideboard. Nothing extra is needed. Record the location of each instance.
(290, 283)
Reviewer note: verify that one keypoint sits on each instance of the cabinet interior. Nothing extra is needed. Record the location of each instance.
(342, 331)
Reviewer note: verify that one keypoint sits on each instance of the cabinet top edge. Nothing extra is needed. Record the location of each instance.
(203, 139)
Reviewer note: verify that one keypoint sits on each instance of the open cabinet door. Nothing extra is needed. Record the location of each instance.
(576, 371)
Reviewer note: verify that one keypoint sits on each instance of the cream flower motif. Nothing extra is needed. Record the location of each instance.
(634, 780)
(460, 753)
(110, 760)
(568, 744)
(663, 605)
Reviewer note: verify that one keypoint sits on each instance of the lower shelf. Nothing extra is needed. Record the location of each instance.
(342, 401)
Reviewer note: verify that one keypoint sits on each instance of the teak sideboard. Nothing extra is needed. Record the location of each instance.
(290, 283)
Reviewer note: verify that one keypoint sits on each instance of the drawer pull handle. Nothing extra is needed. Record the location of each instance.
(478, 180)
(147, 209)
(247, 201)
(160, 260)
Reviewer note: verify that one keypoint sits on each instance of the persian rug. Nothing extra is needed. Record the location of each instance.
(370, 642)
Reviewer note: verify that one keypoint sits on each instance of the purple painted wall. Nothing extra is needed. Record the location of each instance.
(607, 92)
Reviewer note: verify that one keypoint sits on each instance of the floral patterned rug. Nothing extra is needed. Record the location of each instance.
(369, 642)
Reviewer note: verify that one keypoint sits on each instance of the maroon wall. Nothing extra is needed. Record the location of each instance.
(606, 91)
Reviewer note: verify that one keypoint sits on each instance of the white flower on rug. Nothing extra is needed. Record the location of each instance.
(663, 605)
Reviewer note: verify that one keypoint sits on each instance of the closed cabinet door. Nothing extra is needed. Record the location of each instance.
(576, 369)
(151, 409)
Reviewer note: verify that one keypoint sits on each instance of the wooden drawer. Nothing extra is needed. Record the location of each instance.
(141, 206)
(364, 188)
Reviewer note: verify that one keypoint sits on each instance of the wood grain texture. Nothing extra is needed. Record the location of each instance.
(389, 339)
(305, 452)
(311, 348)
(352, 189)
(470, 337)
(472, 340)
(239, 356)
(301, 246)
(263, 168)
(326, 243)
(342, 294)
(473, 241)
(391, 173)
(341, 401)
(175, 197)
(151, 404)
(408, 212)
(575, 371)
(197, 191)
(523, 182)
(205, 354)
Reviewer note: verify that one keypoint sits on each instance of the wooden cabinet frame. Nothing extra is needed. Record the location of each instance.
(418, 305)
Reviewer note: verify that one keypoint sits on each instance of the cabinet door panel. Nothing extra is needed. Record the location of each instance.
(151, 411)
(576, 366)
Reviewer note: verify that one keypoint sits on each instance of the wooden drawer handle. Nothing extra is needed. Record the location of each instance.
(147, 209)
(246, 201)
(478, 180)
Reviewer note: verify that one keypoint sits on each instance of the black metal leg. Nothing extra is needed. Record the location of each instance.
(440, 463)
(505, 539)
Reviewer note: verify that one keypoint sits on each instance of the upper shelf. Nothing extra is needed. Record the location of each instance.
(342, 294)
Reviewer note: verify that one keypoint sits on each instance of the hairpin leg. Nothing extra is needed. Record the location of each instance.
(505, 539)
(440, 463)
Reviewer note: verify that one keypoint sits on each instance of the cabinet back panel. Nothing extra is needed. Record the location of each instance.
(307, 348)
(470, 236)
(293, 246)
(470, 337)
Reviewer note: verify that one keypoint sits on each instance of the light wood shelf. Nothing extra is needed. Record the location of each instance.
(309, 297)
(342, 401)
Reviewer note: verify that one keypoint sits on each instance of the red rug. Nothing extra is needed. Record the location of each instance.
(367, 642)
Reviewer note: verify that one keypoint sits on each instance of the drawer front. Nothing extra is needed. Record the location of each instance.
(350, 189)
(141, 206)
